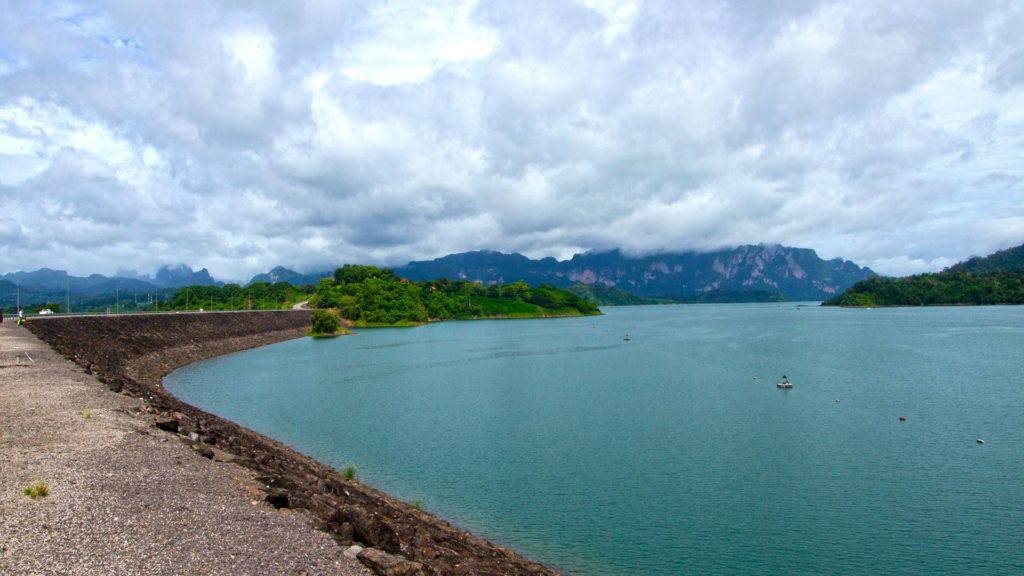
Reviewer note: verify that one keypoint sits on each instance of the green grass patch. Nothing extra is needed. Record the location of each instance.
(37, 489)
(87, 413)
(349, 473)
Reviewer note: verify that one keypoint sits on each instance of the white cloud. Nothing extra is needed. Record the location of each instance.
(619, 17)
(239, 137)
(409, 41)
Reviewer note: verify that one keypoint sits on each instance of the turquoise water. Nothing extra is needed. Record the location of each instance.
(674, 453)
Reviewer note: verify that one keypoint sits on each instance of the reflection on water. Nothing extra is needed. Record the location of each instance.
(674, 453)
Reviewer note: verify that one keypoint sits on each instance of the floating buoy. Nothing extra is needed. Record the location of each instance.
(980, 441)
(903, 418)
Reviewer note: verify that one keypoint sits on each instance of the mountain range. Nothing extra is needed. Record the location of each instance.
(746, 273)
(732, 274)
(47, 285)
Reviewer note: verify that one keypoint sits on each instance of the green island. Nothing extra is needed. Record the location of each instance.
(995, 279)
(367, 296)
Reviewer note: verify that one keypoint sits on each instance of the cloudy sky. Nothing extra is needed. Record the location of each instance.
(238, 135)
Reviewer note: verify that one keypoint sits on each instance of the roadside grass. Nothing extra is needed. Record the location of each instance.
(38, 489)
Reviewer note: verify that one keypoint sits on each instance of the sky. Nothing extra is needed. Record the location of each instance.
(242, 135)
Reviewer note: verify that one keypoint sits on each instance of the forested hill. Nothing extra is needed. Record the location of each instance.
(995, 279)
(371, 296)
(1003, 260)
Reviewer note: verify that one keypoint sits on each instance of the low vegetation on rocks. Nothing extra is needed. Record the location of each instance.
(37, 489)
(349, 473)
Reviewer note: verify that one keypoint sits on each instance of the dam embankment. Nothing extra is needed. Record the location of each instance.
(131, 354)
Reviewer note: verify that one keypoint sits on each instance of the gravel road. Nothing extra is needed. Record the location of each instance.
(125, 497)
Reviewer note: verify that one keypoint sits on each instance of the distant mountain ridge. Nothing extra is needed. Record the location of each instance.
(47, 285)
(182, 275)
(282, 274)
(47, 279)
(795, 273)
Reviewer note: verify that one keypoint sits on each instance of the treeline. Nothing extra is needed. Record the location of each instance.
(950, 287)
(610, 296)
(371, 296)
(258, 296)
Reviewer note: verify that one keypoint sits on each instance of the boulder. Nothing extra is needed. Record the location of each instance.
(386, 564)
(353, 551)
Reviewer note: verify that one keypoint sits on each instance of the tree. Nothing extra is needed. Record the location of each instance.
(324, 323)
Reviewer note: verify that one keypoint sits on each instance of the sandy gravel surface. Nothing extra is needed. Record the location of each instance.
(125, 497)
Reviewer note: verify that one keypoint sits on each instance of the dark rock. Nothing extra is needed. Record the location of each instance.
(371, 529)
(346, 533)
(386, 564)
(168, 424)
(279, 482)
(278, 499)
(205, 451)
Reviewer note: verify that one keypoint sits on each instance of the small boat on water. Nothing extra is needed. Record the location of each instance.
(785, 384)
(627, 338)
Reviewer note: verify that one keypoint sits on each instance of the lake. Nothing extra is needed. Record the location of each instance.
(674, 452)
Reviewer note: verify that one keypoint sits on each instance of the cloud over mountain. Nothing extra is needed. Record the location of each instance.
(240, 136)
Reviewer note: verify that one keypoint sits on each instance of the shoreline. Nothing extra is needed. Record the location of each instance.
(131, 354)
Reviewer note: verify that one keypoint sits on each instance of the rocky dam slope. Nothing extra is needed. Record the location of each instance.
(131, 354)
